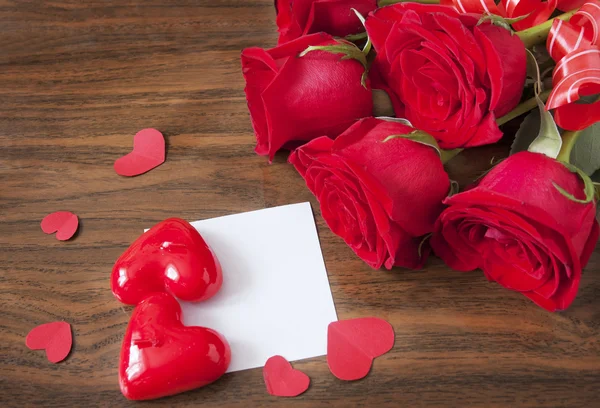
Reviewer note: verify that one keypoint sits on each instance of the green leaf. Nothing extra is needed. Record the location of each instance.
(527, 132)
(596, 180)
(367, 48)
(422, 137)
(368, 45)
(516, 19)
(588, 189)
(418, 136)
(397, 120)
(586, 152)
(501, 21)
(349, 50)
(448, 155)
(548, 140)
(356, 37)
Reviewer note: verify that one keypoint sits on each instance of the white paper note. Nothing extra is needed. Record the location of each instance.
(275, 297)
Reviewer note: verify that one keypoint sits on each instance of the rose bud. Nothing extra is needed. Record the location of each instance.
(529, 224)
(449, 76)
(294, 98)
(296, 18)
(378, 189)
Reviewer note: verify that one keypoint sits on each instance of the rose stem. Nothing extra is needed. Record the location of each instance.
(383, 3)
(522, 108)
(568, 141)
(382, 104)
(447, 155)
(538, 34)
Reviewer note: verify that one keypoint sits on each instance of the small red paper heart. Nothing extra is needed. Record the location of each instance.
(282, 380)
(170, 257)
(64, 223)
(54, 337)
(353, 344)
(160, 356)
(148, 153)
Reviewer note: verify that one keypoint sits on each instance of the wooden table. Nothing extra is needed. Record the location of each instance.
(79, 78)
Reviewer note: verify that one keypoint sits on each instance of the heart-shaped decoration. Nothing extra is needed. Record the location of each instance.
(64, 223)
(55, 338)
(148, 152)
(282, 380)
(172, 257)
(160, 356)
(353, 344)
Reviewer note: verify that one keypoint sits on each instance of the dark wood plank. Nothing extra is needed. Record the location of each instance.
(79, 78)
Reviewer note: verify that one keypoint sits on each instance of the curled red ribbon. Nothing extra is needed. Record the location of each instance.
(566, 5)
(574, 45)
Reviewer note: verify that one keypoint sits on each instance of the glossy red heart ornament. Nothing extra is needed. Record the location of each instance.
(282, 380)
(171, 257)
(353, 344)
(160, 356)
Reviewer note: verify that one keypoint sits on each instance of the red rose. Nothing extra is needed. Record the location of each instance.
(521, 230)
(449, 76)
(381, 198)
(294, 99)
(296, 18)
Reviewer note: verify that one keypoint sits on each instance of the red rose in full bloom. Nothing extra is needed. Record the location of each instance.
(380, 197)
(296, 18)
(449, 76)
(294, 99)
(521, 230)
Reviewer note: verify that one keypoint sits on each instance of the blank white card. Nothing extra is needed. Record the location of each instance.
(275, 297)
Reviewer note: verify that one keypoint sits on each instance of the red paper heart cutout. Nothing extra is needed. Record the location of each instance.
(172, 257)
(55, 338)
(148, 153)
(64, 223)
(160, 356)
(353, 344)
(282, 380)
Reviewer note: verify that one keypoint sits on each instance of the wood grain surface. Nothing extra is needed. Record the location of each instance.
(79, 78)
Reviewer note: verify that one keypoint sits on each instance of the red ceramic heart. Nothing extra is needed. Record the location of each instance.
(282, 380)
(64, 223)
(53, 337)
(148, 152)
(172, 257)
(353, 344)
(160, 356)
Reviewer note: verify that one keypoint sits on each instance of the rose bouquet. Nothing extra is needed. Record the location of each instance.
(448, 76)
